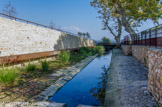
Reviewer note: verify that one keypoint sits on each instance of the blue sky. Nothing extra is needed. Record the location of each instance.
(70, 15)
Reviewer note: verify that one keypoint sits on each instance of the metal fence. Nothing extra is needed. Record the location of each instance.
(33, 23)
(149, 37)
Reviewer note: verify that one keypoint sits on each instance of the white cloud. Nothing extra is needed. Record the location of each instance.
(72, 28)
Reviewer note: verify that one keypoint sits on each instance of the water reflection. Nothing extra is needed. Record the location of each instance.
(99, 91)
(79, 89)
(103, 55)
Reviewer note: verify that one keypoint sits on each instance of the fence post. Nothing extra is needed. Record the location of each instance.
(133, 39)
(145, 38)
(141, 38)
(150, 36)
(156, 36)
(136, 39)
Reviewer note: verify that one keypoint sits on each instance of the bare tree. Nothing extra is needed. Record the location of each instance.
(52, 25)
(10, 10)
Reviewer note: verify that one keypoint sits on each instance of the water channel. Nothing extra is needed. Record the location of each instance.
(88, 86)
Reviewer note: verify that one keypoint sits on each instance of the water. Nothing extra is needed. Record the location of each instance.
(88, 86)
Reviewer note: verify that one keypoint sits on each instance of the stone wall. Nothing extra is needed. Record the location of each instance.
(152, 58)
(127, 49)
(20, 38)
(141, 54)
(155, 73)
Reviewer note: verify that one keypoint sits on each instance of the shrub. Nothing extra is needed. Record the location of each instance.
(31, 67)
(100, 49)
(9, 76)
(86, 51)
(45, 66)
(64, 56)
(83, 52)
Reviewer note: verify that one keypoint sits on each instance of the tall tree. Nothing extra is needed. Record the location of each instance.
(110, 22)
(132, 12)
(10, 10)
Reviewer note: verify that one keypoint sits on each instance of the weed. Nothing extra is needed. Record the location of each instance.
(64, 56)
(45, 66)
(31, 67)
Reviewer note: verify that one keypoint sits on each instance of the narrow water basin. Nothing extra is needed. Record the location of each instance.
(88, 86)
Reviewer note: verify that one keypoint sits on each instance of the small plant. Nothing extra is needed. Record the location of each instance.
(64, 56)
(9, 76)
(31, 67)
(45, 66)
(100, 49)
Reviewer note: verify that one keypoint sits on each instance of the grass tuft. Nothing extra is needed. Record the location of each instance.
(45, 66)
(64, 56)
(31, 67)
(9, 76)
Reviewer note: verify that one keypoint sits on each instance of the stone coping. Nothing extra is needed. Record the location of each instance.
(36, 104)
(156, 49)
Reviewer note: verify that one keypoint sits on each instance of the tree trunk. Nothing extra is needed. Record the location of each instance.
(125, 22)
(117, 38)
(128, 28)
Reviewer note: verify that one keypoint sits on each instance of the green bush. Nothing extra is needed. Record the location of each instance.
(83, 51)
(64, 56)
(31, 67)
(9, 76)
(45, 66)
(100, 49)
(87, 51)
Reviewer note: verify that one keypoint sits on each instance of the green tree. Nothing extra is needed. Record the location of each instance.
(111, 23)
(84, 35)
(88, 35)
(132, 12)
(106, 40)
(80, 34)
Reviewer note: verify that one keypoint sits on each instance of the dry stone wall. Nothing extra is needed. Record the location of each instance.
(127, 49)
(18, 38)
(155, 73)
(141, 54)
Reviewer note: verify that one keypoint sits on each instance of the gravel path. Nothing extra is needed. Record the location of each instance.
(128, 83)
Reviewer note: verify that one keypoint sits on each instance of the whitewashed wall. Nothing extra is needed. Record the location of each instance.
(18, 38)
